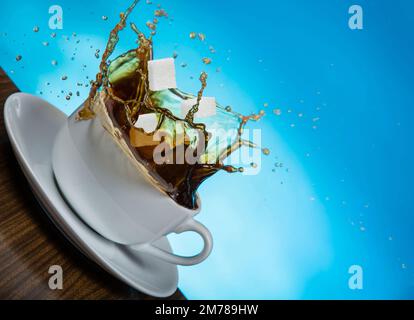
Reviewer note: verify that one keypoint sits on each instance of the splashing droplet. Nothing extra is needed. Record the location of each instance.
(161, 13)
(207, 60)
(151, 25)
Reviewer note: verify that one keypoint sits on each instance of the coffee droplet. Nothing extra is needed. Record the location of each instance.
(266, 151)
(206, 60)
(193, 35)
(36, 29)
(202, 36)
(18, 58)
(161, 13)
(151, 25)
(64, 78)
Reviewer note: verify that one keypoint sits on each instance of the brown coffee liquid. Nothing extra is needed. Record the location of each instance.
(127, 97)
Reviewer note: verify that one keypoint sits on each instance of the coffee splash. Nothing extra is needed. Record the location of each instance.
(124, 85)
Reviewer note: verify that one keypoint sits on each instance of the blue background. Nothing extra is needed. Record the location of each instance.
(344, 194)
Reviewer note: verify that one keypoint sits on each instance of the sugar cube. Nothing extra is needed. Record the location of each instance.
(207, 107)
(148, 122)
(161, 74)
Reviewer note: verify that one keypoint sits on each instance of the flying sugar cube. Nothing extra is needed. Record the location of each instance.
(161, 74)
(148, 122)
(207, 107)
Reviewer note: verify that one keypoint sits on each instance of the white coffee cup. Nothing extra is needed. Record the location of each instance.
(114, 198)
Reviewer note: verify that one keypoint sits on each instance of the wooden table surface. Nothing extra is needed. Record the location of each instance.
(30, 243)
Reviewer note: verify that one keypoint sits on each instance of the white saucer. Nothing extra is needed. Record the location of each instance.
(32, 125)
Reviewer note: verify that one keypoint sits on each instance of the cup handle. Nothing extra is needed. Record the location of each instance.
(188, 225)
